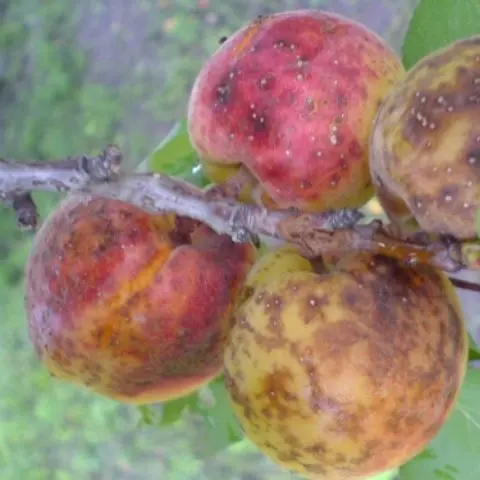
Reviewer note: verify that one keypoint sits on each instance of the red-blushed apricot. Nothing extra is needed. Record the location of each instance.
(291, 98)
(346, 371)
(425, 144)
(134, 306)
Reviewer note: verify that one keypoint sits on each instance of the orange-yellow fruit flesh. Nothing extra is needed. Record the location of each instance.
(346, 374)
(134, 306)
(425, 145)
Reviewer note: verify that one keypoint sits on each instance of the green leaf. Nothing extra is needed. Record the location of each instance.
(176, 156)
(173, 410)
(474, 349)
(454, 454)
(478, 223)
(218, 427)
(437, 23)
(147, 415)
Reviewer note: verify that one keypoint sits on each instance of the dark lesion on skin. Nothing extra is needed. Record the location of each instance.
(259, 122)
(246, 294)
(430, 111)
(242, 323)
(277, 395)
(266, 82)
(184, 227)
(315, 468)
(313, 305)
(473, 157)
(241, 400)
(224, 90)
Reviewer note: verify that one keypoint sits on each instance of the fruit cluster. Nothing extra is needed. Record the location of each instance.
(335, 368)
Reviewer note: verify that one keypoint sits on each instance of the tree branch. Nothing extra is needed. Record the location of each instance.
(333, 233)
(154, 192)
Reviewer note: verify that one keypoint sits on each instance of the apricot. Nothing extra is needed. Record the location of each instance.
(291, 97)
(425, 144)
(347, 371)
(134, 306)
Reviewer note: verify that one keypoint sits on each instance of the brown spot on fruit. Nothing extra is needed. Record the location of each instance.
(276, 390)
(222, 94)
(366, 383)
(292, 86)
(136, 307)
(424, 151)
(312, 307)
(267, 82)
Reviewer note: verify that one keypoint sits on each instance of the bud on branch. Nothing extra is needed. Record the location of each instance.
(329, 233)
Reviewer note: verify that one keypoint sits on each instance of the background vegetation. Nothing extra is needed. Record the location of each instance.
(75, 76)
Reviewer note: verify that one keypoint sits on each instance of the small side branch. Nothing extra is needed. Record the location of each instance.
(18, 180)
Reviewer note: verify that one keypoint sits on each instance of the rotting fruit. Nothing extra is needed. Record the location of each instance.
(134, 306)
(343, 371)
(425, 144)
(290, 98)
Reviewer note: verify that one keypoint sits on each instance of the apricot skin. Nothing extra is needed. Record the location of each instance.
(425, 144)
(291, 98)
(136, 307)
(349, 373)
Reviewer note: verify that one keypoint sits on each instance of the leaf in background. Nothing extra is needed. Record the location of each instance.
(173, 410)
(176, 156)
(147, 415)
(437, 23)
(218, 427)
(474, 349)
(478, 223)
(454, 454)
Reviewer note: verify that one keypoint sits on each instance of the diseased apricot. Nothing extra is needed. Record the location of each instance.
(134, 306)
(344, 373)
(291, 98)
(425, 144)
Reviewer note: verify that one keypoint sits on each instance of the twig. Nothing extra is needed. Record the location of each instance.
(333, 233)
(18, 180)
(465, 285)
